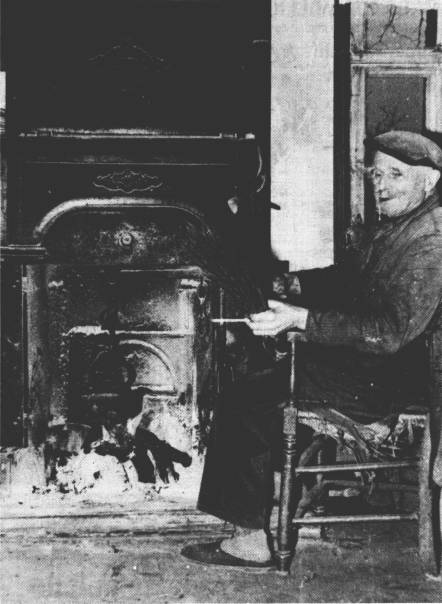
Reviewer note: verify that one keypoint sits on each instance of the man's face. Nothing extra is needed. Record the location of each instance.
(398, 187)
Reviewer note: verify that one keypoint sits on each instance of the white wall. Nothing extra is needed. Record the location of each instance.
(302, 132)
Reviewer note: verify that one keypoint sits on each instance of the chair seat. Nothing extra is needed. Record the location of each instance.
(369, 438)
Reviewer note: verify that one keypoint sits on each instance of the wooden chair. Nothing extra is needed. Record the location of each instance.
(429, 464)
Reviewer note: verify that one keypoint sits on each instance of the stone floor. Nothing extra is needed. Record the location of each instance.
(376, 563)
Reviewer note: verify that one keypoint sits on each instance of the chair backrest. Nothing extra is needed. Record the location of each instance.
(435, 349)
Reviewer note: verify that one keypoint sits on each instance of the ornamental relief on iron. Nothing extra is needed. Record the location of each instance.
(128, 181)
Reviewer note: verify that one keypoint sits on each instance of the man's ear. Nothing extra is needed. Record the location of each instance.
(431, 179)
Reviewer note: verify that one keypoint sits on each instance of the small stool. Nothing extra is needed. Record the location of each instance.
(429, 493)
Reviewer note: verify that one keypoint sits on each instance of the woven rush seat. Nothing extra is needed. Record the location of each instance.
(377, 440)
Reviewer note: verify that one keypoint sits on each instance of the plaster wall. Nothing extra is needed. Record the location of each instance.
(302, 132)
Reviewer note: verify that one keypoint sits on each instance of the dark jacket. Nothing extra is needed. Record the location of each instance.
(365, 336)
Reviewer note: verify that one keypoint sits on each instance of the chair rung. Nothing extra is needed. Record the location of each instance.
(355, 518)
(350, 467)
(380, 486)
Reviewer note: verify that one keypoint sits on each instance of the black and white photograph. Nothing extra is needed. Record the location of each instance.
(221, 301)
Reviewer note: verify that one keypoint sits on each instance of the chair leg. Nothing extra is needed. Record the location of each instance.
(290, 419)
(285, 531)
(429, 511)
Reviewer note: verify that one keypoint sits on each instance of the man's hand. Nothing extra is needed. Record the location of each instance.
(281, 317)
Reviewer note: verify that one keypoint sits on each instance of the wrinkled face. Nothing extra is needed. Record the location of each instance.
(398, 187)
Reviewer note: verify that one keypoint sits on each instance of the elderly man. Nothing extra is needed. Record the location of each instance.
(363, 350)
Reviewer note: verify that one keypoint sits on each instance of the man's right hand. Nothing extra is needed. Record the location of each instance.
(280, 318)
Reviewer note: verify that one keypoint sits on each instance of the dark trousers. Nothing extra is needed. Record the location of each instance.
(245, 449)
(245, 446)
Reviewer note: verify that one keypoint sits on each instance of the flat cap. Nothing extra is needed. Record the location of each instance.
(409, 147)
